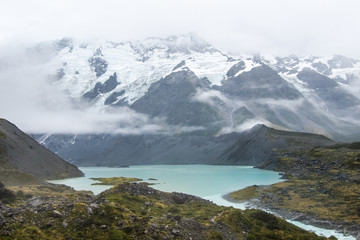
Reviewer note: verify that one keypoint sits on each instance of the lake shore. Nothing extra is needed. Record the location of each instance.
(346, 232)
(322, 188)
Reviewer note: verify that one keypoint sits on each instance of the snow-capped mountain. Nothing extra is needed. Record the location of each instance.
(181, 95)
(184, 81)
(136, 66)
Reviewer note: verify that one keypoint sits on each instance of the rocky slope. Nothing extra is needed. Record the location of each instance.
(135, 211)
(21, 155)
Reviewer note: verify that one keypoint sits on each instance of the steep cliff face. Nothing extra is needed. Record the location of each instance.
(22, 157)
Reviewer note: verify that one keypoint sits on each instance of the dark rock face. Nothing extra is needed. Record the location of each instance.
(171, 97)
(141, 149)
(328, 90)
(257, 145)
(181, 64)
(98, 63)
(248, 148)
(235, 69)
(20, 152)
(316, 80)
(114, 97)
(105, 87)
(322, 68)
(260, 82)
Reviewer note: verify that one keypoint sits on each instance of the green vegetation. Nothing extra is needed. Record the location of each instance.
(246, 193)
(6, 196)
(115, 180)
(135, 211)
(323, 184)
(12, 177)
(354, 145)
(262, 225)
(2, 135)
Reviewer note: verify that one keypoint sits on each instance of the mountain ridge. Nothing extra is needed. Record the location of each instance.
(252, 147)
(120, 74)
(185, 91)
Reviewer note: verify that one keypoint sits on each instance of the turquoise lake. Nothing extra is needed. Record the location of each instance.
(206, 181)
(210, 182)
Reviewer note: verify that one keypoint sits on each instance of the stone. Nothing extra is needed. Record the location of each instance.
(89, 210)
(35, 202)
(175, 232)
(65, 224)
(94, 205)
(57, 214)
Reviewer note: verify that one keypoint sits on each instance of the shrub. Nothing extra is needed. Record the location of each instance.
(6, 195)
(20, 194)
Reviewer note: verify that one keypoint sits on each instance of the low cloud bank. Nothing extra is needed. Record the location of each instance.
(34, 104)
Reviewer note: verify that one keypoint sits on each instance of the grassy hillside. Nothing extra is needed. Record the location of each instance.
(323, 186)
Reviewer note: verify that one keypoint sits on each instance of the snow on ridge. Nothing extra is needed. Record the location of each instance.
(135, 74)
(213, 66)
(138, 64)
(249, 65)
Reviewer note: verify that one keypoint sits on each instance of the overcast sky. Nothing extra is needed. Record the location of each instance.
(281, 27)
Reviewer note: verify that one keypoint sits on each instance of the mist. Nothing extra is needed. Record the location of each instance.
(35, 105)
(301, 27)
(281, 27)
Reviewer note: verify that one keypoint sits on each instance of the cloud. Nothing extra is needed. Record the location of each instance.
(28, 99)
(211, 96)
(278, 27)
(208, 97)
(281, 27)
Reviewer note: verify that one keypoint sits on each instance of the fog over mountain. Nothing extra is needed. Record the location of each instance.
(175, 84)
(237, 65)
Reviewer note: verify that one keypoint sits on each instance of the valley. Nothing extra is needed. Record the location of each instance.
(174, 101)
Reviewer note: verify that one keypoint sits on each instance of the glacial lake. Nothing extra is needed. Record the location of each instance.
(210, 182)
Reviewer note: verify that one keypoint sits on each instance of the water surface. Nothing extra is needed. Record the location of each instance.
(205, 181)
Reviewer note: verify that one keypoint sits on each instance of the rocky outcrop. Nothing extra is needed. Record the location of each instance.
(105, 87)
(136, 211)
